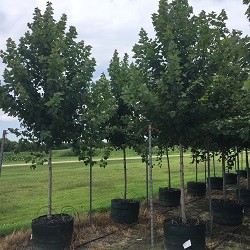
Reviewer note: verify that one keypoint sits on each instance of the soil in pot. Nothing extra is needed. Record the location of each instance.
(197, 189)
(231, 178)
(124, 211)
(227, 212)
(216, 183)
(244, 196)
(169, 197)
(54, 233)
(176, 234)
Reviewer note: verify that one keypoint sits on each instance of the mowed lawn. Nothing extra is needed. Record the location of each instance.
(23, 191)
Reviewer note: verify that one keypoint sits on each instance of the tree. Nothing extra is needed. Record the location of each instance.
(45, 77)
(124, 122)
(176, 68)
(9, 145)
(96, 107)
(247, 2)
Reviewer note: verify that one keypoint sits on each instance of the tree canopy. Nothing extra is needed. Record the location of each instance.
(46, 74)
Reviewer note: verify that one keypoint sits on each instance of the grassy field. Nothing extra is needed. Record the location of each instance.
(23, 192)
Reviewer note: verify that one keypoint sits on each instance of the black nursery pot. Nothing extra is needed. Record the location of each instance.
(230, 178)
(169, 197)
(175, 235)
(226, 212)
(197, 189)
(242, 173)
(124, 211)
(244, 196)
(55, 233)
(216, 183)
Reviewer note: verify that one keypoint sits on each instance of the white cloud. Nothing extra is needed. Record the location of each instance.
(6, 118)
(106, 25)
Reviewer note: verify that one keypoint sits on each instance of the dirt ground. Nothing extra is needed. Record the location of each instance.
(106, 234)
(138, 236)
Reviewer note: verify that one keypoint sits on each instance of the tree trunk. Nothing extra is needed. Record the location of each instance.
(49, 215)
(196, 168)
(247, 166)
(147, 182)
(90, 186)
(209, 191)
(241, 160)
(125, 173)
(205, 168)
(151, 185)
(223, 173)
(237, 159)
(238, 176)
(183, 209)
(214, 163)
(2, 149)
(169, 173)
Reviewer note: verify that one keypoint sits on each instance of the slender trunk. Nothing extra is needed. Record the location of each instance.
(1, 150)
(238, 176)
(209, 191)
(196, 169)
(223, 173)
(151, 186)
(169, 173)
(247, 166)
(90, 187)
(147, 180)
(183, 209)
(214, 163)
(49, 215)
(241, 160)
(235, 161)
(125, 173)
(205, 167)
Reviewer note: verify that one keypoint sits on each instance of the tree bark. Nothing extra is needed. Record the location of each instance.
(125, 173)
(205, 167)
(196, 168)
(183, 208)
(241, 160)
(2, 149)
(49, 215)
(90, 187)
(169, 173)
(247, 166)
(209, 191)
(223, 173)
(147, 181)
(214, 163)
(238, 169)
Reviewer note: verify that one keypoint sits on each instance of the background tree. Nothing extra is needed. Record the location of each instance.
(176, 68)
(96, 107)
(9, 145)
(247, 2)
(124, 123)
(45, 77)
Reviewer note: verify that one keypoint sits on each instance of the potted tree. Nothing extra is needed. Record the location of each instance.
(43, 83)
(243, 194)
(197, 188)
(168, 196)
(97, 106)
(121, 136)
(174, 90)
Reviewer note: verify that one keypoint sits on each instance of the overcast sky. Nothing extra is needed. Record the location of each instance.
(106, 25)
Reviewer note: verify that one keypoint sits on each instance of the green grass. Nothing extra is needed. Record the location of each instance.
(69, 155)
(23, 192)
